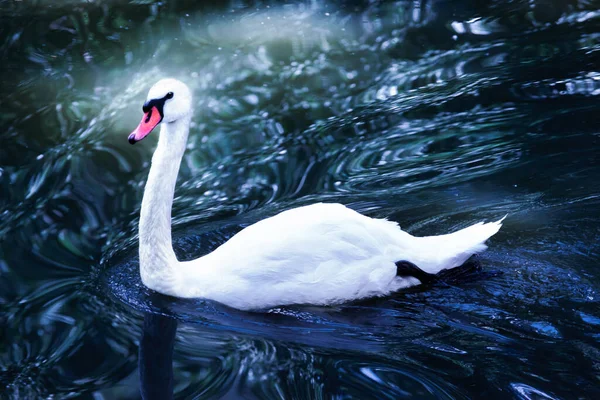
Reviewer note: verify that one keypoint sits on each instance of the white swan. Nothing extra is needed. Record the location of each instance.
(318, 254)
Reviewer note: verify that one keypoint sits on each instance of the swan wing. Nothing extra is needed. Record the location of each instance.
(318, 254)
(322, 254)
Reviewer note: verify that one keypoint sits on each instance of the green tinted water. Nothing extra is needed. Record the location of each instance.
(435, 114)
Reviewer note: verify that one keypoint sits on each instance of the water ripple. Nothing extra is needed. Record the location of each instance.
(434, 114)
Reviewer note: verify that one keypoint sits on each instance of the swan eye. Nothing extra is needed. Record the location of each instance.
(169, 95)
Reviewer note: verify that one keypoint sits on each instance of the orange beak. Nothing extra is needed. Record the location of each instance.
(149, 122)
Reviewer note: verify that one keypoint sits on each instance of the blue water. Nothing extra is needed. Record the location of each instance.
(434, 114)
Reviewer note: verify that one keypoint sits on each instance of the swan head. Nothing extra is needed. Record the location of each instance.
(168, 101)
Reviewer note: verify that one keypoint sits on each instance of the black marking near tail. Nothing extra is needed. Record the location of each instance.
(470, 271)
(407, 269)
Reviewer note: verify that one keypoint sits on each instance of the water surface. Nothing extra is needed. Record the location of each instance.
(434, 114)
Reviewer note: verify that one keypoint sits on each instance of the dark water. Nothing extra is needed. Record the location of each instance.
(436, 114)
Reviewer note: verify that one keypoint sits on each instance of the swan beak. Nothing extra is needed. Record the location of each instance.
(149, 122)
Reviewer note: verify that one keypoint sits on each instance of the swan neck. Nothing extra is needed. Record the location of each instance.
(157, 258)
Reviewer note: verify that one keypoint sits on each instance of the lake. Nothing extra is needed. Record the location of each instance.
(435, 114)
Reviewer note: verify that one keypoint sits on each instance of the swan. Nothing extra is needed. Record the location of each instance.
(319, 254)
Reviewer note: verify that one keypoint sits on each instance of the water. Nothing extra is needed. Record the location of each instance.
(435, 114)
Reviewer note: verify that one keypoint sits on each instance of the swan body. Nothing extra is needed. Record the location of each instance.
(318, 254)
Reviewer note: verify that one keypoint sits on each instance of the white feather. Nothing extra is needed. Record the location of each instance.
(321, 254)
(318, 254)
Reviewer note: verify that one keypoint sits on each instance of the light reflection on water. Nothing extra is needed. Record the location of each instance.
(434, 114)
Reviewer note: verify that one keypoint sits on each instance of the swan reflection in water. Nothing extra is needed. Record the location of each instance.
(226, 352)
(156, 357)
(247, 341)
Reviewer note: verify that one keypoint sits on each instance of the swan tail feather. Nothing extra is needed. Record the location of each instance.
(453, 250)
